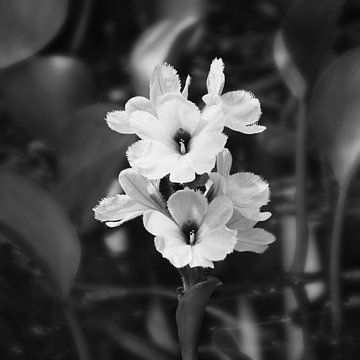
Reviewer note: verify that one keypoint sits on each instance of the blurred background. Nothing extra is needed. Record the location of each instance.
(70, 288)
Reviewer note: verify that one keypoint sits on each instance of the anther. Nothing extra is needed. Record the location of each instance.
(182, 147)
(192, 237)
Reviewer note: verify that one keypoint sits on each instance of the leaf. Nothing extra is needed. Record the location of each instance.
(42, 94)
(90, 157)
(190, 313)
(32, 219)
(224, 342)
(27, 26)
(308, 30)
(335, 113)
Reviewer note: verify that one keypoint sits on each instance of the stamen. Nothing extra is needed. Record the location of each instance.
(182, 147)
(192, 237)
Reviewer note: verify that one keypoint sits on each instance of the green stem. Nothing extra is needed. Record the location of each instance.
(301, 246)
(334, 265)
(79, 339)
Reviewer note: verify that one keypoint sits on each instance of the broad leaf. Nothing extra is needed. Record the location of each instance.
(335, 114)
(43, 93)
(91, 156)
(27, 26)
(33, 220)
(189, 316)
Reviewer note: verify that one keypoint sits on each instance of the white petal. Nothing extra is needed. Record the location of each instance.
(151, 158)
(249, 192)
(183, 171)
(119, 122)
(139, 103)
(164, 80)
(255, 240)
(203, 149)
(176, 251)
(148, 127)
(185, 91)
(216, 78)
(216, 245)
(199, 260)
(158, 224)
(142, 190)
(117, 208)
(187, 205)
(218, 187)
(242, 111)
(178, 113)
(239, 222)
(219, 213)
(223, 163)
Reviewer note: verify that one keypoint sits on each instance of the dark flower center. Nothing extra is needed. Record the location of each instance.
(182, 137)
(189, 229)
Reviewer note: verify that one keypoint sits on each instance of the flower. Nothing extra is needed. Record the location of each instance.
(164, 81)
(196, 234)
(241, 110)
(248, 193)
(178, 141)
(141, 195)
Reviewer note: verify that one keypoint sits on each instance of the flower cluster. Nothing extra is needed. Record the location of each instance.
(196, 214)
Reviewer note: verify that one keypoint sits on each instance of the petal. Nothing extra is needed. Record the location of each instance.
(242, 111)
(203, 149)
(223, 163)
(158, 224)
(177, 252)
(178, 113)
(199, 260)
(119, 122)
(187, 205)
(164, 80)
(148, 127)
(142, 190)
(248, 192)
(183, 171)
(219, 213)
(216, 78)
(218, 187)
(151, 158)
(118, 207)
(139, 103)
(185, 91)
(217, 244)
(239, 222)
(255, 240)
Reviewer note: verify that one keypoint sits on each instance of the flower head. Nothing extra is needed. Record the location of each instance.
(196, 233)
(241, 110)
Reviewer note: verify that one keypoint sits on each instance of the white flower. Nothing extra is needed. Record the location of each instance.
(178, 141)
(141, 195)
(240, 108)
(196, 235)
(248, 193)
(164, 81)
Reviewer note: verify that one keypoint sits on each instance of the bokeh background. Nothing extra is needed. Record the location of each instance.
(70, 288)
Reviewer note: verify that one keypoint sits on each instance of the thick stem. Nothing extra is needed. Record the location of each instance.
(78, 336)
(334, 263)
(301, 246)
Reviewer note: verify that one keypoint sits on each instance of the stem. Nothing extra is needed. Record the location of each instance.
(301, 210)
(79, 339)
(335, 256)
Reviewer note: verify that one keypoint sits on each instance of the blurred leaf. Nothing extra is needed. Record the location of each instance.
(33, 220)
(43, 93)
(190, 313)
(155, 46)
(335, 113)
(27, 26)
(308, 31)
(91, 156)
(224, 342)
(159, 328)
